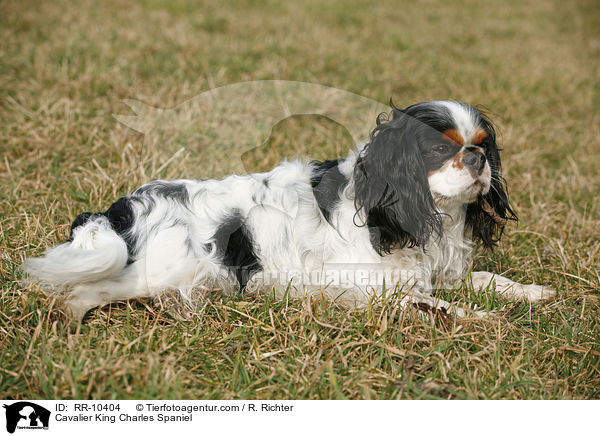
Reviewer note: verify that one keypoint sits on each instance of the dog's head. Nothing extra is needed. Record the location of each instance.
(426, 159)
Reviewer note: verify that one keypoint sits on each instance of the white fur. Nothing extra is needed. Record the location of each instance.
(95, 253)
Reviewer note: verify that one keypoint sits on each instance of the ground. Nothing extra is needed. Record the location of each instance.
(65, 68)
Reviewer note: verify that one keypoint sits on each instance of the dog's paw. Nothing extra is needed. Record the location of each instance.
(486, 314)
(75, 308)
(532, 293)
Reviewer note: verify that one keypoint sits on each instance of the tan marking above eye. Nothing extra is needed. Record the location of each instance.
(454, 136)
(479, 136)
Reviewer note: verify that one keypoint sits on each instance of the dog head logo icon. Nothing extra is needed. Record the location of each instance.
(24, 414)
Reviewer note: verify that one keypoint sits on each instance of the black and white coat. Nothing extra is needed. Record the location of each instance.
(402, 211)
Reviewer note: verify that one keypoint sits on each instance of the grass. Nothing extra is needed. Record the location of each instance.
(64, 70)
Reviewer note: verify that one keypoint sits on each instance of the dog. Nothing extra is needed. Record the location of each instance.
(402, 211)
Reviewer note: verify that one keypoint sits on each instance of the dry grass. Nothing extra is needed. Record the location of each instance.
(64, 70)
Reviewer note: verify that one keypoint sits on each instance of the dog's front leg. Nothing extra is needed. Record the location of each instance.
(483, 280)
(428, 303)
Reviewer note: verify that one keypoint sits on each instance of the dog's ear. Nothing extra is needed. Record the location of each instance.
(489, 214)
(391, 186)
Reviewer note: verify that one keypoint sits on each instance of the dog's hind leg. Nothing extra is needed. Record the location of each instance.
(165, 262)
(134, 282)
(137, 281)
(131, 283)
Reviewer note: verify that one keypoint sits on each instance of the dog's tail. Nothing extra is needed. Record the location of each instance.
(94, 252)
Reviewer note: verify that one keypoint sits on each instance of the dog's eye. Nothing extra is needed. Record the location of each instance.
(441, 148)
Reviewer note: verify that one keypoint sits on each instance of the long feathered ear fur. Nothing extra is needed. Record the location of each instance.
(391, 186)
(487, 216)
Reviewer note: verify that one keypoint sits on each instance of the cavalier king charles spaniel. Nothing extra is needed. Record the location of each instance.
(402, 212)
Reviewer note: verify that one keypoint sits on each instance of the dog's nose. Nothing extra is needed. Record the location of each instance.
(475, 160)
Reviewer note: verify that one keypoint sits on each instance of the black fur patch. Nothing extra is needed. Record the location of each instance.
(236, 249)
(121, 218)
(174, 190)
(327, 182)
(431, 114)
(81, 219)
(391, 184)
(483, 226)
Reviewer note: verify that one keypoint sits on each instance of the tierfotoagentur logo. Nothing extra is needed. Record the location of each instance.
(25, 415)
